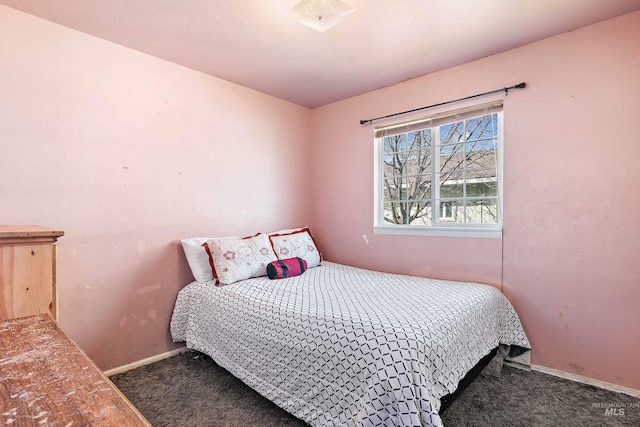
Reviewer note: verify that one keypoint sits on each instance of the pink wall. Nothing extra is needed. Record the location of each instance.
(571, 258)
(127, 154)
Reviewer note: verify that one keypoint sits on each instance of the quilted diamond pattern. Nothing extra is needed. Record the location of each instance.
(344, 346)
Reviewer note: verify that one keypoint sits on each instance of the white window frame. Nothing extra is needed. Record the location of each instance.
(439, 228)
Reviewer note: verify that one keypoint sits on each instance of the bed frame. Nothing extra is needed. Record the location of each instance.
(447, 400)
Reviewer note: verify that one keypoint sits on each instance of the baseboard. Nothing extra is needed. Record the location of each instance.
(520, 366)
(587, 380)
(146, 361)
(550, 371)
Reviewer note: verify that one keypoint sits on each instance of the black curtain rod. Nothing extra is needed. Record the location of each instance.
(505, 89)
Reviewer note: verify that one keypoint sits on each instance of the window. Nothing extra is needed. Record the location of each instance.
(441, 174)
(446, 212)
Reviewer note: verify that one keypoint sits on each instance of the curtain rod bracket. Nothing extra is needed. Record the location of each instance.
(505, 89)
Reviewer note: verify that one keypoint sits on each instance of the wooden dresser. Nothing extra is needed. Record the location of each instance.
(27, 271)
(46, 379)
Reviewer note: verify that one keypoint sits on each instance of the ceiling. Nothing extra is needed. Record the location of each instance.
(255, 44)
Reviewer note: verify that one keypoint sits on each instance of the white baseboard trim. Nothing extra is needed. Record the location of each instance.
(587, 380)
(550, 371)
(146, 361)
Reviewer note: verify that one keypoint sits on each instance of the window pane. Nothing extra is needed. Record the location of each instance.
(483, 188)
(482, 211)
(451, 190)
(477, 158)
(420, 140)
(418, 162)
(387, 160)
(452, 158)
(451, 211)
(395, 163)
(481, 127)
(395, 143)
(452, 133)
(391, 172)
(419, 187)
(420, 213)
(395, 213)
(394, 187)
(393, 192)
(452, 184)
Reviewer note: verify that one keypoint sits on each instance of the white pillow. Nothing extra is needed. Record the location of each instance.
(239, 259)
(298, 243)
(197, 258)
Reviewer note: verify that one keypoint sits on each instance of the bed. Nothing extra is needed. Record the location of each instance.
(345, 346)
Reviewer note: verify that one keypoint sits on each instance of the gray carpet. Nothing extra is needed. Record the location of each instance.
(192, 390)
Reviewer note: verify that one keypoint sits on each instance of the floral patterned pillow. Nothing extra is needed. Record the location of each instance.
(239, 259)
(296, 244)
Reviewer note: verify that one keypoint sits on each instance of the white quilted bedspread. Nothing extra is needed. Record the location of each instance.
(344, 346)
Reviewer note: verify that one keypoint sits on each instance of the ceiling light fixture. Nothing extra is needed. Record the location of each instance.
(320, 14)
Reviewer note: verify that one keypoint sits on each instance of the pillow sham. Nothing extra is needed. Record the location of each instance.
(284, 268)
(298, 243)
(238, 259)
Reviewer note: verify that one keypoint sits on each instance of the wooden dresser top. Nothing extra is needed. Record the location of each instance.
(28, 233)
(48, 380)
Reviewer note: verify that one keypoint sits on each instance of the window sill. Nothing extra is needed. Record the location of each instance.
(482, 233)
